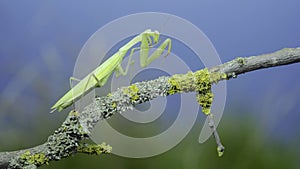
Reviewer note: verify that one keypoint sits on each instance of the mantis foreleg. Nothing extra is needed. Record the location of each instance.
(120, 70)
(144, 59)
(98, 84)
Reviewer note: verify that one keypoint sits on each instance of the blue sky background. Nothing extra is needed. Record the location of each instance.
(40, 40)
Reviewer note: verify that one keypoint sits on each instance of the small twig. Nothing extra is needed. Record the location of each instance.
(220, 147)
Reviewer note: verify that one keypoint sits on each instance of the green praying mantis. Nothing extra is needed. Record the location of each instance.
(99, 76)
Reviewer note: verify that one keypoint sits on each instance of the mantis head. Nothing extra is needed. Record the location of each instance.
(155, 36)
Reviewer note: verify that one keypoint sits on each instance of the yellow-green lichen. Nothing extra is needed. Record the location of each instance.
(74, 113)
(188, 82)
(200, 81)
(215, 77)
(132, 91)
(175, 87)
(114, 105)
(94, 149)
(203, 81)
(36, 159)
(205, 100)
(205, 95)
(241, 61)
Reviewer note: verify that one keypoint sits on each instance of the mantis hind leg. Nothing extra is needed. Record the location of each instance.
(98, 84)
(71, 79)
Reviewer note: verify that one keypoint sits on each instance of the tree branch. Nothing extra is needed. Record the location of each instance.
(66, 139)
(243, 65)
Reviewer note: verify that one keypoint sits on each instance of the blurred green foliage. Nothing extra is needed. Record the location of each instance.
(246, 147)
